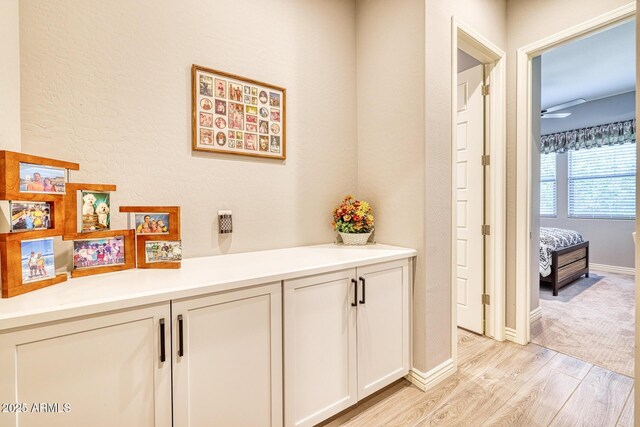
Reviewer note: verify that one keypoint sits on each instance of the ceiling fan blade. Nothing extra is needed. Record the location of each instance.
(565, 105)
(554, 115)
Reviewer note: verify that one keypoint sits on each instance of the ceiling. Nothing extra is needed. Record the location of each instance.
(601, 65)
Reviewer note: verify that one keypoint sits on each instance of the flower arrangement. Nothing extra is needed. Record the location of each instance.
(353, 216)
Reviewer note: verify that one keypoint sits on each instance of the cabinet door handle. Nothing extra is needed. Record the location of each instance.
(180, 336)
(355, 292)
(163, 355)
(364, 290)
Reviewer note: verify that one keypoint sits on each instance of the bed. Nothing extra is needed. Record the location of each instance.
(564, 257)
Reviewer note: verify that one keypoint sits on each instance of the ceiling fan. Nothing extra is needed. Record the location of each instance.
(549, 112)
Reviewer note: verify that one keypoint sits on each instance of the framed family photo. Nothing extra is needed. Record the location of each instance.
(237, 115)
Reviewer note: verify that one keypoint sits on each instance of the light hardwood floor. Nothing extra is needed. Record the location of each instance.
(504, 384)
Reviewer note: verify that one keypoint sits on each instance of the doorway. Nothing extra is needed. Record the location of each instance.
(478, 191)
(528, 167)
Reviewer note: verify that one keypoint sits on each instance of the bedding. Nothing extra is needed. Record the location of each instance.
(552, 239)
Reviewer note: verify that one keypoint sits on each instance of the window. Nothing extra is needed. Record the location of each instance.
(602, 182)
(548, 185)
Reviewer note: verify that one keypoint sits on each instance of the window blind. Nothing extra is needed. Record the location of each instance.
(602, 182)
(548, 206)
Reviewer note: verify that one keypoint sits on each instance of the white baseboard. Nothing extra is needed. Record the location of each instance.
(426, 380)
(535, 314)
(510, 334)
(612, 269)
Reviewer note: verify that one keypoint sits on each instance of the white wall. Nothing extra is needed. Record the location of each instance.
(9, 76)
(529, 21)
(390, 62)
(108, 85)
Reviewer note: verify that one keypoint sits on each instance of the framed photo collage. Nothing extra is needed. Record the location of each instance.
(235, 115)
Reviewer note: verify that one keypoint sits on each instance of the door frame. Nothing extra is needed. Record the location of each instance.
(475, 44)
(525, 54)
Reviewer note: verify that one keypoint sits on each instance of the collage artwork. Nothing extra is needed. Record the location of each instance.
(236, 117)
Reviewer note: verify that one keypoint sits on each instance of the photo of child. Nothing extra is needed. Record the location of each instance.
(275, 144)
(236, 116)
(264, 112)
(30, 216)
(275, 128)
(42, 179)
(221, 88)
(252, 119)
(98, 252)
(206, 119)
(37, 260)
(221, 107)
(251, 127)
(264, 126)
(206, 136)
(264, 143)
(206, 104)
(221, 138)
(206, 85)
(163, 251)
(250, 141)
(263, 97)
(151, 223)
(275, 115)
(274, 99)
(221, 123)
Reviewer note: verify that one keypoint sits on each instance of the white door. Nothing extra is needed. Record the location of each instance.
(319, 347)
(383, 325)
(470, 199)
(97, 371)
(227, 353)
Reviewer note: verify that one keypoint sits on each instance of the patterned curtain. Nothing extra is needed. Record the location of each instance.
(596, 136)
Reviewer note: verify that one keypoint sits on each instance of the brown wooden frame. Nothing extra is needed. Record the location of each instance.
(71, 203)
(142, 239)
(10, 178)
(129, 251)
(194, 113)
(10, 243)
(11, 265)
(568, 264)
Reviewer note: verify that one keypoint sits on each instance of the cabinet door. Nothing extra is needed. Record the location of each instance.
(320, 347)
(229, 372)
(107, 368)
(383, 325)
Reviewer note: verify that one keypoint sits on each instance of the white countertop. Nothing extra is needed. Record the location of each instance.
(198, 276)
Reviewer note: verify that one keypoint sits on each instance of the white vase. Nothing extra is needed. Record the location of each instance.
(355, 239)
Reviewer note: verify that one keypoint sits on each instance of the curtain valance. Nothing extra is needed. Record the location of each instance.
(596, 136)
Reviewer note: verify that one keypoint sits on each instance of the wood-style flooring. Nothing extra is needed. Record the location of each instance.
(591, 319)
(504, 384)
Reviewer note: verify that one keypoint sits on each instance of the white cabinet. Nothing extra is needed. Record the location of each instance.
(107, 369)
(346, 336)
(227, 359)
(319, 346)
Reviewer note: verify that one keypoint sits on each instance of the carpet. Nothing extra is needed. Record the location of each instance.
(591, 319)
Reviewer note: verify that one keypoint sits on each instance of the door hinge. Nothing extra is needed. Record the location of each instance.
(486, 230)
(486, 299)
(486, 160)
(486, 90)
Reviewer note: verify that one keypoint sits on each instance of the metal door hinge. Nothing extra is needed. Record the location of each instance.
(486, 299)
(486, 230)
(486, 160)
(486, 90)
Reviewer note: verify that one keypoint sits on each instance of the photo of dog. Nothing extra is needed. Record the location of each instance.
(95, 209)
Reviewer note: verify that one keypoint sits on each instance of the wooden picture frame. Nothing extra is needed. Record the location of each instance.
(11, 267)
(129, 251)
(10, 178)
(71, 203)
(222, 105)
(142, 239)
(141, 243)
